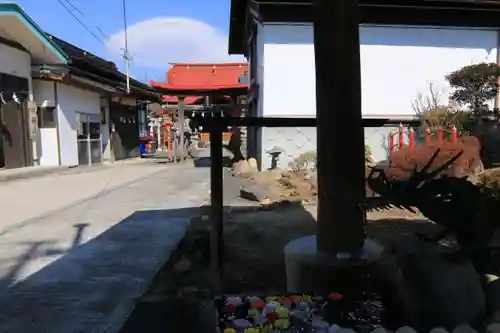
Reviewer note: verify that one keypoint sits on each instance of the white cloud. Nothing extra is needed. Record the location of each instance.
(158, 41)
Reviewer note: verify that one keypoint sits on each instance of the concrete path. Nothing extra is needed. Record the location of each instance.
(8, 175)
(21, 201)
(79, 267)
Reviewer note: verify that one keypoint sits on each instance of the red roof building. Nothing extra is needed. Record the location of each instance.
(202, 77)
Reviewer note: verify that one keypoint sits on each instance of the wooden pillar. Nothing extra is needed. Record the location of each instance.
(340, 134)
(217, 204)
(180, 116)
(497, 97)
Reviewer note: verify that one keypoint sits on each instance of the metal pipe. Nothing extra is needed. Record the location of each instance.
(58, 129)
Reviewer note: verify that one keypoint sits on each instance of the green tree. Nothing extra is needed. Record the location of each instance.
(474, 86)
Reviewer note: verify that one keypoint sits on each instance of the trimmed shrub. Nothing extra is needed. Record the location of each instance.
(403, 162)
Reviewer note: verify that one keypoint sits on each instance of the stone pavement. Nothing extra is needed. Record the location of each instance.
(7, 175)
(80, 267)
(24, 201)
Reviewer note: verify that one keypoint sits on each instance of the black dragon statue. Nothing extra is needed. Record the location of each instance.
(469, 212)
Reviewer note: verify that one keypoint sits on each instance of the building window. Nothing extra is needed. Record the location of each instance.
(142, 119)
(46, 117)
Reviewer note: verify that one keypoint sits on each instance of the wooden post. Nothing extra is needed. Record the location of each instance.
(180, 116)
(341, 167)
(412, 138)
(440, 138)
(428, 135)
(169, 140)
(401, 138)
(497, 97)
(391, 143)
(454, 133)
(217, 203)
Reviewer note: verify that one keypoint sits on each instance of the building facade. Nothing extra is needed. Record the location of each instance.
(57, 99)
(398, 63)
(18, 34)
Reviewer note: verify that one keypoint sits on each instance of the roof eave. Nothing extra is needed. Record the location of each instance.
(166, 89)
(15, 10)
(238, 12)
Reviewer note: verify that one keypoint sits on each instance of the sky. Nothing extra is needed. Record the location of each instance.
(159, 31)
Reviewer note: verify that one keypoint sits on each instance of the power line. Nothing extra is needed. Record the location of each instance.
(65, 6)
(105, 35)
(76, 9)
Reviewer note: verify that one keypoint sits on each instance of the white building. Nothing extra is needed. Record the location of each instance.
(397, 62)
(66, 100)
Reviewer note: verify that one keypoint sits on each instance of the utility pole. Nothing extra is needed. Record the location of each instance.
(126, 55)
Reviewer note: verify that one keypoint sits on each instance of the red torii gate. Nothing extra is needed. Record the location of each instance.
(210, 91)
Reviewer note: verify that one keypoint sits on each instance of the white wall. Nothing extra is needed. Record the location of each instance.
(106, 149)
(16, 62)
(47, 146)
(70, 101)
(397, 63)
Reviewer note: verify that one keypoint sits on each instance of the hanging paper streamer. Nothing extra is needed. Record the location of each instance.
(15, 98)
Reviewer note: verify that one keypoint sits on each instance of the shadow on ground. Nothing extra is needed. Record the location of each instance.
(254, 238)
(93, 286)
(37, 250)
(204, 162)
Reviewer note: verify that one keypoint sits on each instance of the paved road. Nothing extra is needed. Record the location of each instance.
(67, 267)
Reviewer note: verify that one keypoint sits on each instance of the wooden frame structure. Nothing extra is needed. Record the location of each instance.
(458, 13)
(341, 226)
(181, 92)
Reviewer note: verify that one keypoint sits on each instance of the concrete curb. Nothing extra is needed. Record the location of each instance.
(118, 317)
(41, 171)
(5, 178)
(105, 192)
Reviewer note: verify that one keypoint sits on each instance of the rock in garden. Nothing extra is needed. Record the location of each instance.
(241, 168)
(182, 266)
(403, 161)
(380, 330)
(188, 292)
(405, 329)
(438, 330)
(254, 192)
(493, 328)
(266, 201)
(252, 163)
(345, 330)
(464, 328)
(334, 328)
(492, 290)
(435, 286)
(494, 318)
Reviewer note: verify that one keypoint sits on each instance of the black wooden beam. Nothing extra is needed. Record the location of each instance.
(200, 92)
(434, 4)
(216, 207)
(464, 13)
(209, 122)
(417, 16)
